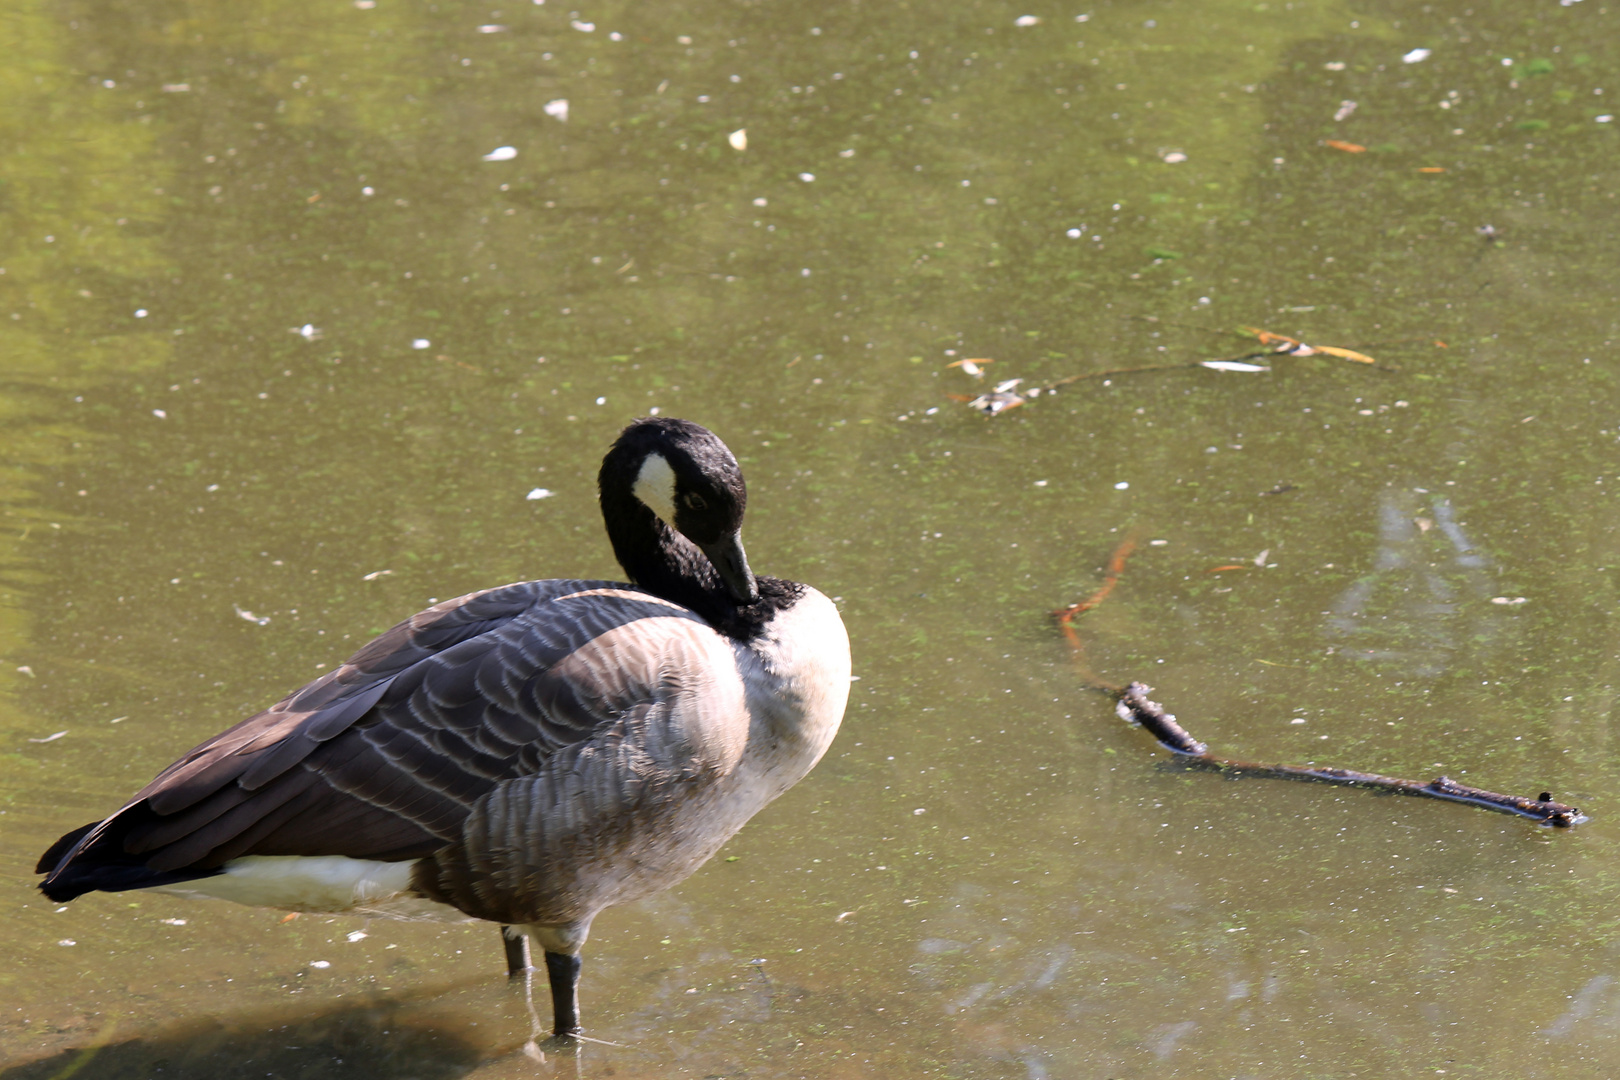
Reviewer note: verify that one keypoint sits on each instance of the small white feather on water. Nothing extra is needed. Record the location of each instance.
(1230, 365)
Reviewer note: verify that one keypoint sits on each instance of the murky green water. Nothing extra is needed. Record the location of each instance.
(279, 345)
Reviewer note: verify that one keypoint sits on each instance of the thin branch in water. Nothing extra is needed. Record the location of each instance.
(1108, 372)
(1133, 705)
(1065, 616)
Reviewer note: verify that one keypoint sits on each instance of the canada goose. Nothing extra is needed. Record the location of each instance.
(529, 754)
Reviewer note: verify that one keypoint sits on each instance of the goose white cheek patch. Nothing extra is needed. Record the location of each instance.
(655, 486)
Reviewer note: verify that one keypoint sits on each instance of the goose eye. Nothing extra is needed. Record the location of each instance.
(695, 501)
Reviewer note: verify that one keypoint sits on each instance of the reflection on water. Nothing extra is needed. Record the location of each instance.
(1596, 1009)
(1421, 600)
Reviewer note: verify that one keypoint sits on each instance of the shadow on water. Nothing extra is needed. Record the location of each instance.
(360, 1041)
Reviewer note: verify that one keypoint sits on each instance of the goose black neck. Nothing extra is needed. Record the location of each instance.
(657, 556)
(661, 560)
(666, 564)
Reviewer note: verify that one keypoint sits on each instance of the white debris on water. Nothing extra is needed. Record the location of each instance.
(1230, 365)
(557, 109)
(1417, 56)
(501, 153)
(539, 493)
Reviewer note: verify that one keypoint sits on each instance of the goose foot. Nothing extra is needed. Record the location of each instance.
(563, 971)
(517, 951)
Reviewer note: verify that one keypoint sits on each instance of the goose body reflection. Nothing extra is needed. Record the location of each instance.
(529, 754)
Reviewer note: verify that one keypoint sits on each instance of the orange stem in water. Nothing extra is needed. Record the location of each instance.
(1065, 616)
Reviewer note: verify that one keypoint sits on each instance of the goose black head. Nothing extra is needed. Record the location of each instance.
(682, 475)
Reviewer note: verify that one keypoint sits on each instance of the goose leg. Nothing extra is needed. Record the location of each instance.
(563, 971)
(517, 951)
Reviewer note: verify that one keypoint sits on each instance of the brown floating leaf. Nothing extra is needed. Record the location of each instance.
(1295, 347)
(974, 368)
(1346, 354)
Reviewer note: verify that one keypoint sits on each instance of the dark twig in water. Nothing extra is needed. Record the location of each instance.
(1110, 372)
(1134, 706)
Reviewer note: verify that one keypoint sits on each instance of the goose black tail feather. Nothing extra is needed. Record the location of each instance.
(55, 853)
(76, 868)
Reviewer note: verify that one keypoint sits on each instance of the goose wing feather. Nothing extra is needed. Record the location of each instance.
(387, 756)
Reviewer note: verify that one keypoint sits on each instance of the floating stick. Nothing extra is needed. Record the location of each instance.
(1133, 705)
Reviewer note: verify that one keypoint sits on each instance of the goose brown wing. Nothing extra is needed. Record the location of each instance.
(384, 757)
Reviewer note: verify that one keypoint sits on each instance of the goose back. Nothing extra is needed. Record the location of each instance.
(603, 698)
